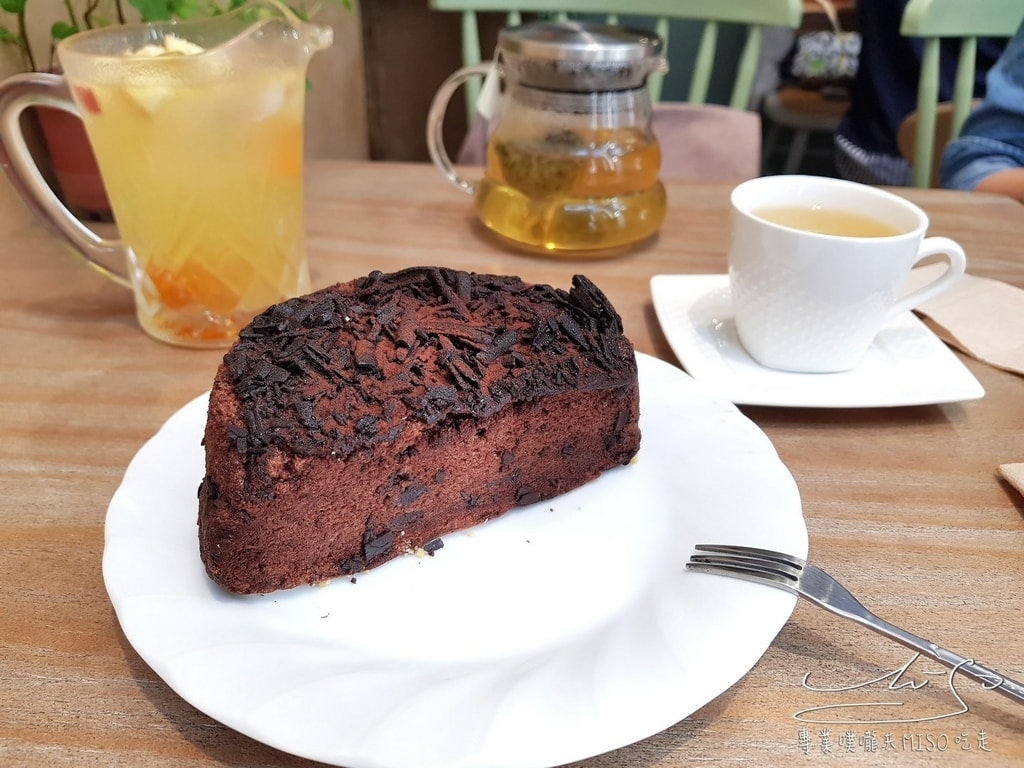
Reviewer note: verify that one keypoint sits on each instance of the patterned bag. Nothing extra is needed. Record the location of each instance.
(826, 59)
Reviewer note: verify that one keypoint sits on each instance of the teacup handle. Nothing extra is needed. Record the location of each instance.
(17, 94)
(435, 123)
(934, 246)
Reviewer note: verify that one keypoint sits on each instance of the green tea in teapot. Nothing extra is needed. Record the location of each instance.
(572, 162)
(573, 191)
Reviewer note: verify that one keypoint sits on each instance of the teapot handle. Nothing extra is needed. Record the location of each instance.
(435, 123)
(17, 94)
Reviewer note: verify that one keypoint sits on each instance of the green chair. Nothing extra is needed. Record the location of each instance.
(754, 14)
(967, 20)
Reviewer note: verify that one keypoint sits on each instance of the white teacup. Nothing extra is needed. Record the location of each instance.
(811, 302)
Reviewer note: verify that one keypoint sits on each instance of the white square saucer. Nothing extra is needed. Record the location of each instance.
(906, 365)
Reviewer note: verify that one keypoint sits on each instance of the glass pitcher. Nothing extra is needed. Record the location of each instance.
(197, 128)
(572, 165)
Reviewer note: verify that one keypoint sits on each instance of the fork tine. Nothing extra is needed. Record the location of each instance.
(776, 572)
(753, 552)
(752, 563)
(741, 569)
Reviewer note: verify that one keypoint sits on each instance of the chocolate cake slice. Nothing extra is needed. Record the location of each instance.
(365, 420)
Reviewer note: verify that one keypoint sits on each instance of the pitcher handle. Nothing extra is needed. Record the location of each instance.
(17, 94)
(435, 123)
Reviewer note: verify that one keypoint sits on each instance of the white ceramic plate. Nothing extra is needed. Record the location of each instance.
(906, 365)
(557, 632)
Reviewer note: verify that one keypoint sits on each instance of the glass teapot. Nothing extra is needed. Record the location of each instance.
(572, 164)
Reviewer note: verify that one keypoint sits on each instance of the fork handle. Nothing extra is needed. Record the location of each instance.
(990, 679)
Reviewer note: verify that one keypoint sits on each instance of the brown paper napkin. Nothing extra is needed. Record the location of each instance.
(1014, 475)
(979, 316)
(983, 318)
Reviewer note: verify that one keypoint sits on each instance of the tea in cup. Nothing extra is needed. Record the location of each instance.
(197, 128)
(817, 267)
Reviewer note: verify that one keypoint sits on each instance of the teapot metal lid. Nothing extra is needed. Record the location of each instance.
(580, 57)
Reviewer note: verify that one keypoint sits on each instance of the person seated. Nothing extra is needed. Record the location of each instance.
(988, 156)
(885, 92)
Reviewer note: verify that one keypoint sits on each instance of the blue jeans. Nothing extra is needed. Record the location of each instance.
(993, 134)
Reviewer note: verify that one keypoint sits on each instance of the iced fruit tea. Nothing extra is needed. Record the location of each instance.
(205, 180)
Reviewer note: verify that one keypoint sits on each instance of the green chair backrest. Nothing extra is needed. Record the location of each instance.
(967, 20)
(754, 14)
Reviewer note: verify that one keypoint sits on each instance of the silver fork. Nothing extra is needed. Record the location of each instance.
(794, 575)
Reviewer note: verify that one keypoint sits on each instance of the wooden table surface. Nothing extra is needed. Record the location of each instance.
(904, 505)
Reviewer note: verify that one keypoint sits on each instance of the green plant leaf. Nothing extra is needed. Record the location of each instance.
(186, 9)
(6, 36)
(13, 6)
(62, 29)
(152, 10)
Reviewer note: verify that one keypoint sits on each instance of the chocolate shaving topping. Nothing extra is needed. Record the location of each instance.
(432, 546)
(573, 330)
(402, 522)
(410, 494)
(375, 546)
(526, 496)
(353, 565)
(240, 436)
(356, 364)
